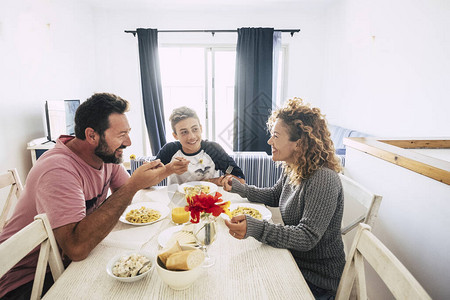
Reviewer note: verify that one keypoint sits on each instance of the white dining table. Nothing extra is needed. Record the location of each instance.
(244, 269)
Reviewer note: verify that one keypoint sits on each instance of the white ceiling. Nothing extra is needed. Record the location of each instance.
(201, 4)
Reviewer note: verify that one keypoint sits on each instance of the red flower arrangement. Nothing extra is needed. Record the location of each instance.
(206, 203)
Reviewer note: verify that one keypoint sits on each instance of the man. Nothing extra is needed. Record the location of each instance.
(191, 158)
(70, 184)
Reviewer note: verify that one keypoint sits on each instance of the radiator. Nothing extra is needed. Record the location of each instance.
(136, 163)
(258, 167)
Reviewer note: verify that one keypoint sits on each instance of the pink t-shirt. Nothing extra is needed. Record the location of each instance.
(66, 188)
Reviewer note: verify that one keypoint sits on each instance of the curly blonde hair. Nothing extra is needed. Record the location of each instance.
(308, 127)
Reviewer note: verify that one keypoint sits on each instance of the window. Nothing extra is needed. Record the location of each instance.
(203, 78)
(183, 82)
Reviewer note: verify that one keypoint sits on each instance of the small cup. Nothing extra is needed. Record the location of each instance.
(179, 215)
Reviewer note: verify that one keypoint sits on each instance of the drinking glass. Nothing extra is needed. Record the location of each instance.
(205, 232)
(180, 215)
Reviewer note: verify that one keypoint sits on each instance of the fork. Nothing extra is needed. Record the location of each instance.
(229, 170)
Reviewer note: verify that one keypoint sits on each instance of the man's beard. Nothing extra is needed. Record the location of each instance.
(103, 152)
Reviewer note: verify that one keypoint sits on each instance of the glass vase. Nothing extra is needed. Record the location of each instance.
(205, 232)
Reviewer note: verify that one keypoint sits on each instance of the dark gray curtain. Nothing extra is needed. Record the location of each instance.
(253, 89)
(151, 87)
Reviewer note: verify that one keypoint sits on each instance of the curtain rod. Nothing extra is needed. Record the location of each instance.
(292, 31)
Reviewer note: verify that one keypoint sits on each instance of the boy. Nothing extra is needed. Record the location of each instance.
(202, 158)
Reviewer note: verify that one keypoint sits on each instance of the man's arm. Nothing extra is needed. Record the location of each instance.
(78, 239)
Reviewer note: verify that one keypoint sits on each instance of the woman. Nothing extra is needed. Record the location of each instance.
(309, 195)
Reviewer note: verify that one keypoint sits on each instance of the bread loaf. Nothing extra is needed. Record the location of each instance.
(185, 260)
(166, 252)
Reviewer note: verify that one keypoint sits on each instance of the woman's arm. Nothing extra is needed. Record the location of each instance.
(268, 196)
(320, 196)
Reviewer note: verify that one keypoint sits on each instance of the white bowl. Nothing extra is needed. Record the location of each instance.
(112, 262)
(179, 280)
(212, 187)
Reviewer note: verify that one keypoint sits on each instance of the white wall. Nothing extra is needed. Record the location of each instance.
(386, 73)
(387, 67)
(412, 221)
(46, 53)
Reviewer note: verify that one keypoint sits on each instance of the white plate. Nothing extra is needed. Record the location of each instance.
(166, 234)
(154, 195)
(212, 186)
(265, 213)
(113, 261)
(163, 209)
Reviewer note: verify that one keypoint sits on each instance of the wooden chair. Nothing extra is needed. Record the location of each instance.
(356, 193)
(393, 273)
(20, 244)
(10, 178)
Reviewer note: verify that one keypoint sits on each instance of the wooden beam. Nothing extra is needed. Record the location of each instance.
(419, 144)
(428, 166)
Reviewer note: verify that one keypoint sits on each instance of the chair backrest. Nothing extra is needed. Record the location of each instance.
(356, 193)
(367, 247)
(20, 244)
(10, 178)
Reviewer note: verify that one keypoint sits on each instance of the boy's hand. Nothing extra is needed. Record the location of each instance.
(217, 180)
(178, 166)
(226, 181)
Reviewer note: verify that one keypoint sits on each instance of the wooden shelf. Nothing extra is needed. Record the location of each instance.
(396, 151)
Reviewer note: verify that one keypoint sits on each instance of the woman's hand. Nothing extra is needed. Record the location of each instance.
(237, 226)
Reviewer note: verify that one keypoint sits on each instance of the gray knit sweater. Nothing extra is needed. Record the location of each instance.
(312, 213)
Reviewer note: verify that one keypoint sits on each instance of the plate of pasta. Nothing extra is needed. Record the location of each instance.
(257, 211)
(197, 187)
(144, 213)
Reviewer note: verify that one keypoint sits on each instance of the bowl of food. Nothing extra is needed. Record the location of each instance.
(257, 211)
(130, 266)
(179, 266)
(196, 187)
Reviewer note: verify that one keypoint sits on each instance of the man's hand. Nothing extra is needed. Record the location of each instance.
(149, 174)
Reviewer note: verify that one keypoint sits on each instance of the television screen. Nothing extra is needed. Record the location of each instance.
(60, 117)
